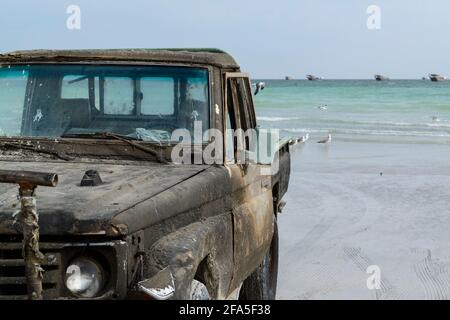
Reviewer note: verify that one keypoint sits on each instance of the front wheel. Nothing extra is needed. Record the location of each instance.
(262, 283)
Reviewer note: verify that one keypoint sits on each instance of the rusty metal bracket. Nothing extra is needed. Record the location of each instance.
(28, 218)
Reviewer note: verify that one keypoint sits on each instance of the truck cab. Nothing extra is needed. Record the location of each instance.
(162, 192)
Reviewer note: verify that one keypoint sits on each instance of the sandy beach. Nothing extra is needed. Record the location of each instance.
(342, 216)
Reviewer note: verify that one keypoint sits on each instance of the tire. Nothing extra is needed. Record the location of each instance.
(262, 283)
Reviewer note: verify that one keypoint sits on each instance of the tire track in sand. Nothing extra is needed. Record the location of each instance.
(387, 291)
(434, 277)
(357, 204)
(331, 194)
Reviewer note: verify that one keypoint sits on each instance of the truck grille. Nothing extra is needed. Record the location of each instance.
(13, 284)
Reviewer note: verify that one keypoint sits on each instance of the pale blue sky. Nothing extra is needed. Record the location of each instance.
(270, 39)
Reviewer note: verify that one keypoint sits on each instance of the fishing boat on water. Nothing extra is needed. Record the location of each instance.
(436, 77)
(312, 77)
(380, 77)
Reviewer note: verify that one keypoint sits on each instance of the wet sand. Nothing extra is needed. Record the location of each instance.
(343, 216)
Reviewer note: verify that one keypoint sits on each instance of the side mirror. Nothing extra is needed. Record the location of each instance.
(259, 86)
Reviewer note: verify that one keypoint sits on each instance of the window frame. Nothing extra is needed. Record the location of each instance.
(238, 110)
(211, 76)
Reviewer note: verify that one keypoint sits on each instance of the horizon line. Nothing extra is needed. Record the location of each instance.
(297, 79)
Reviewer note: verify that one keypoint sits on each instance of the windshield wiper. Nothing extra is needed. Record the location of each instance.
(19, 146)
(98, 135)
(109, 135)
(78, 79)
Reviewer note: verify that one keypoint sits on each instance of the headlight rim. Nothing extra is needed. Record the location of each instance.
(101, 269)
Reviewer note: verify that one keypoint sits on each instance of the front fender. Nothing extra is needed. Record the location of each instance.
(201, 250)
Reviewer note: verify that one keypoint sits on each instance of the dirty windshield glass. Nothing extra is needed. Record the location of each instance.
(144, 102)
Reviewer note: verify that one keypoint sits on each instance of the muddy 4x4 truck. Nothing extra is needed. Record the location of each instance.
(92, 206)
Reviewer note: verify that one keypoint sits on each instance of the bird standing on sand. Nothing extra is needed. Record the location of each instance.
(327, 140)
(435, 119)
(303, 139)
(260, 86)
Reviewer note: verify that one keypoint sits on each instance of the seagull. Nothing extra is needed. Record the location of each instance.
(435, 119)
(323, 107)
(327, 140)
(260, 86)
(303, 139)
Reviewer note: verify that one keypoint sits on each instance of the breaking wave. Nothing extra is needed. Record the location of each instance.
(277, 118)
(358, 122)
(370, 132)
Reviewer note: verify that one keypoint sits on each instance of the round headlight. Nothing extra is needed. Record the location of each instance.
(84, 277)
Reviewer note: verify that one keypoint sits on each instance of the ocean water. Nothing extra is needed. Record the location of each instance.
(358, 110)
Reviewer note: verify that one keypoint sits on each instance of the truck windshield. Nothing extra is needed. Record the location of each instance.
(143, 102)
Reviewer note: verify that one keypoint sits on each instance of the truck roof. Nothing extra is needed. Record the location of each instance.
(204, 56)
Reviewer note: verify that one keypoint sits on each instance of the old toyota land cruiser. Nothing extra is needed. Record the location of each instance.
(86, 136)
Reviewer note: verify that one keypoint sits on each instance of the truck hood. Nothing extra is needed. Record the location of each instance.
(70, 208)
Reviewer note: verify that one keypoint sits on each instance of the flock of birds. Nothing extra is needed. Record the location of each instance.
(305, 138)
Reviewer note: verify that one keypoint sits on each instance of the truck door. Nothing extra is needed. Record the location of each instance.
(253, 215)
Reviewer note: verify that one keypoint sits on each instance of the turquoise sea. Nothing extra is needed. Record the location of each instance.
(397, 110)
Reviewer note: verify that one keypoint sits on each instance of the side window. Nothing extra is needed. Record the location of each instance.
(245, 104)
(239, 95)
(75, 87)
(81, 87)
(119, 96)
(232, 121)
(197, 89)
(158, 96)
